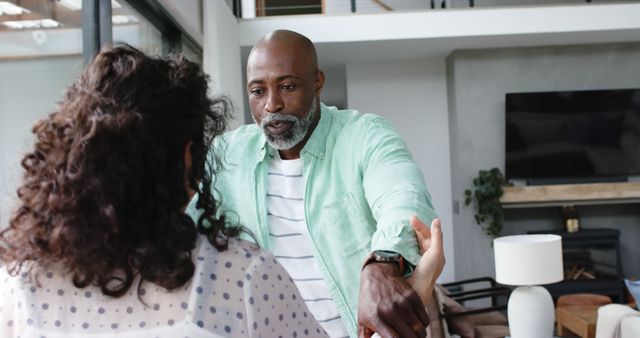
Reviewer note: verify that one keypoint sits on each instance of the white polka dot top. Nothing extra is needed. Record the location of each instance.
(241, 292)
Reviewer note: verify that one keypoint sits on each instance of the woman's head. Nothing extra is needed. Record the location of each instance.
(106, 182)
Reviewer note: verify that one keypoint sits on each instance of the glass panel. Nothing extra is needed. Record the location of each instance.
(40, 55)
(191, 52)
(131, 27)
(37, 28)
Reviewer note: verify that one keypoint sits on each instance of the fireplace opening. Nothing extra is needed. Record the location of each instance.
(591, 260)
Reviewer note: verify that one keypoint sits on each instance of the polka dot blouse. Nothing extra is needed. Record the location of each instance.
(241, 292)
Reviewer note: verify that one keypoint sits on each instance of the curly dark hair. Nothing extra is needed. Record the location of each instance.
(105, 186)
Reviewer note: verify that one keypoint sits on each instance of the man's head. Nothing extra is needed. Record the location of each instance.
(284, 84)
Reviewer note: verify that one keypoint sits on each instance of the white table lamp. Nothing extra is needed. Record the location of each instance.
(529, 261)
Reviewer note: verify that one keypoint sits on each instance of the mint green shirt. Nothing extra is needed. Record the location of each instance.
(362, 186)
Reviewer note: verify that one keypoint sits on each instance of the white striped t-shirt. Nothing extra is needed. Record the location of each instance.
(290, 243)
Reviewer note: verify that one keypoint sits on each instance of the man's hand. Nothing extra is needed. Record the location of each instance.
(388, 305)
(432, 262)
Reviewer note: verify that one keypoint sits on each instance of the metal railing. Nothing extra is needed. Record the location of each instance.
(264, 8)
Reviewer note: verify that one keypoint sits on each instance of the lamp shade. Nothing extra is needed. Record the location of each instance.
(528, 259)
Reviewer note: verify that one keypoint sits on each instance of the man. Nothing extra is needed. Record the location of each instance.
(326, 191)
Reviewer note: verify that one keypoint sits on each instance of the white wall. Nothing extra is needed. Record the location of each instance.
(222, 58)
(478, 83)
(188, 14)
(248, 9)
(412, 95)
(29, 90)
(334, 92)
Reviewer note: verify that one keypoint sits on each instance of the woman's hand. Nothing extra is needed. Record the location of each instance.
(430, 266)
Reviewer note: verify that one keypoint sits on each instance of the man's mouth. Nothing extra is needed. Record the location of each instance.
(278, 127)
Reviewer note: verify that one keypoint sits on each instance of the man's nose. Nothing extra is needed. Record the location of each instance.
(274, 103)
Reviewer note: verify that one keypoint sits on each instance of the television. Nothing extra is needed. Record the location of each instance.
(572, 136)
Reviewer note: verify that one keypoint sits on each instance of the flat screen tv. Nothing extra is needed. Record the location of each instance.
(573, 136)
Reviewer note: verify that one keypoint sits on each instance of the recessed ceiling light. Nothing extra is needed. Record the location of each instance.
(7, 8)
(76, 5)
(123, 19)
(32, 24)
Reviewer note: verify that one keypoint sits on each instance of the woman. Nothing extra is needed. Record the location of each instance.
(99, 243)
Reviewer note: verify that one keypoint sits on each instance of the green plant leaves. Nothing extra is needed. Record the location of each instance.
(487, 190)
(467, 197)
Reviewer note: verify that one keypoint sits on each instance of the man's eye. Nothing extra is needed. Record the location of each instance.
(288, 87)
(256, 91)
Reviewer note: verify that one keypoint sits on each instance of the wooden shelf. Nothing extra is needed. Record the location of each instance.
(571, 194)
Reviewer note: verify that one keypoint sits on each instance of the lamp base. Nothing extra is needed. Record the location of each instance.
(531, 313)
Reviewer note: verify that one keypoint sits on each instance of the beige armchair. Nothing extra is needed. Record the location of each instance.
(617, 321)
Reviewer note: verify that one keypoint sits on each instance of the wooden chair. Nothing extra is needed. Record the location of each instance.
(451, 314)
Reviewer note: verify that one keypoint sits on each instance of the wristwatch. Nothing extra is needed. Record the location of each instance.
(385, 256)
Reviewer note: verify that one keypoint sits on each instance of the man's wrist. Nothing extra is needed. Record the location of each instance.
(385, 257)
(374, 268)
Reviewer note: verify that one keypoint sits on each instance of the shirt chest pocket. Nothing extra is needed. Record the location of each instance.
(344, 227)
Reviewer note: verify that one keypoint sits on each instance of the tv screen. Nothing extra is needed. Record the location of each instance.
(573, 136)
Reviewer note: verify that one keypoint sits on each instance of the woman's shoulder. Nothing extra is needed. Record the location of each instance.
(239, 252)
(246, 292)
(7, 282)
(26, 276)
(243, 263)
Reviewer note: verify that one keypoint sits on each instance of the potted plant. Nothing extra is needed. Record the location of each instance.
(487, 190)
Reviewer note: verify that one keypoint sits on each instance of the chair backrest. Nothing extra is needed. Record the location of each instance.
(473, 322)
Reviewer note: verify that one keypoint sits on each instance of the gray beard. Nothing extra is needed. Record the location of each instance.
(299, 128)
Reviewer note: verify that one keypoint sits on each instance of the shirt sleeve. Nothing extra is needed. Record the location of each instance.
(273, 304)
(394, 188)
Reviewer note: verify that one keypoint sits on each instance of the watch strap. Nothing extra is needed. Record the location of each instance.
(373, 258)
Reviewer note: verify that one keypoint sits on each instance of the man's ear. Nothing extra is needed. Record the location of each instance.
(319, 81)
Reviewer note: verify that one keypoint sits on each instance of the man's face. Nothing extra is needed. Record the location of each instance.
(282, 95)
(284, 131)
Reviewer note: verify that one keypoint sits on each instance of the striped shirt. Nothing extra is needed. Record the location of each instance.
(291, 245)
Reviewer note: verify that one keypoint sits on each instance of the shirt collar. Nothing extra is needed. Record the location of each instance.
(317, 142)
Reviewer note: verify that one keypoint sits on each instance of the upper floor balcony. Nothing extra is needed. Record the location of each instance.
(380, 30)
(249, 9)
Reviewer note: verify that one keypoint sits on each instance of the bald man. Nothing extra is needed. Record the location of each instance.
(329, 192)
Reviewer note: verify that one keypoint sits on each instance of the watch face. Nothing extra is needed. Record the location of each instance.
(386, 256)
